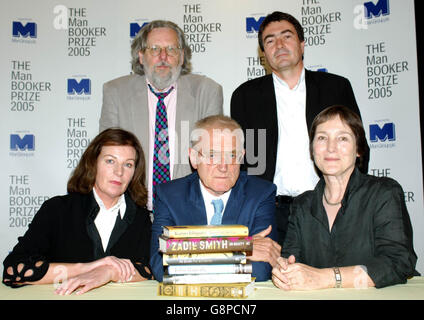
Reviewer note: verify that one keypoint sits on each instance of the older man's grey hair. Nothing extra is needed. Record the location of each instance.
(140, 44)
(216, 123)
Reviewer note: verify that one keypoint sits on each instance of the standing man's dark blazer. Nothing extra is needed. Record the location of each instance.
(254, 106)
(180, 202)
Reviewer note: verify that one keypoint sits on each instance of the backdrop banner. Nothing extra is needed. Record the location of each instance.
(56, 56)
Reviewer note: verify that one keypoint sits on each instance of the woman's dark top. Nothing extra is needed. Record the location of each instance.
(63, 230)
(372, 228)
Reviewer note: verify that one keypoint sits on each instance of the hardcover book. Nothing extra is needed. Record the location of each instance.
(205, 231)
(204, 258)
(207, 278)
(210, 290)
(204, 245)
(209, 268)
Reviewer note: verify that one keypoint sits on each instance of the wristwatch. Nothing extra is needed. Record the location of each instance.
(338, 277)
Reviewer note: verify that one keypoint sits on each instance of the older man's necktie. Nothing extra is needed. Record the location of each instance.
(161, 172)
(218, 205)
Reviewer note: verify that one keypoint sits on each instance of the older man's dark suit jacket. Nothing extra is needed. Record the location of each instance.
(253, 105)
(180, 202)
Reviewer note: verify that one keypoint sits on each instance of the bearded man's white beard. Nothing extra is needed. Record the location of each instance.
(162, 82)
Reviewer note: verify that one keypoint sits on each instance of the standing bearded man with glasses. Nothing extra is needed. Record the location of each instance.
(218, 193)
(160, 101)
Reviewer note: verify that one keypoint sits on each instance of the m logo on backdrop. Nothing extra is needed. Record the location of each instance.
(20, 30)
(376, 10)
(253, 24)
(135, 28)
(79, 87)
(317, 67)
(371, 13)
(385, 133)
(26, 143)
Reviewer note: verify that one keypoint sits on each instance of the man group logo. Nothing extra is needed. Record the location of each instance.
(375, 10)
(81, 87)
(27, 143)
(387, 132)
(135, 28)
(252, 25)
(20, 30)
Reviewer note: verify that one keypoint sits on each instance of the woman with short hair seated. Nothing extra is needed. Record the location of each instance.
(353, 229)
(99, 232)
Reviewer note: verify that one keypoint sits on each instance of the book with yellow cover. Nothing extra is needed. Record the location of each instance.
(204, 231)
(209, 290)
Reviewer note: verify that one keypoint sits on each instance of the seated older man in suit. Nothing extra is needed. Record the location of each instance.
(216, 151)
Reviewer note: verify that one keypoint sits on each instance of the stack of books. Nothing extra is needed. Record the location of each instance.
(206, 261)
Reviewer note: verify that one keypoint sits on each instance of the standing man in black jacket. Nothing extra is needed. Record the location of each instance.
(278, 103)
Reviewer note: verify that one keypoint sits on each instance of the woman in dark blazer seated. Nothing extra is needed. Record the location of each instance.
(99, 232)
(353, 229)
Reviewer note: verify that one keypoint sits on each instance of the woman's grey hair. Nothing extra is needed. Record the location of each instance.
(140, 43)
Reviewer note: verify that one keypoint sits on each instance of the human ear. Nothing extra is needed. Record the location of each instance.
(140, 57)
(193, 158)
